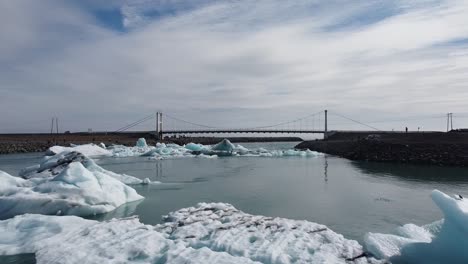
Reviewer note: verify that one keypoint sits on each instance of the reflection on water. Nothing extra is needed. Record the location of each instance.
(417, 173)
(325, 168)
(122, 211)
(18, 259)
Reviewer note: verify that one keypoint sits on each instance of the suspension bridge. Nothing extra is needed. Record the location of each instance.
(316, 123)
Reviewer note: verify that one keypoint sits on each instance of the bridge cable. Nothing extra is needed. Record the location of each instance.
(288, 122)
(361, 123)
(135, 123)
(188, 122)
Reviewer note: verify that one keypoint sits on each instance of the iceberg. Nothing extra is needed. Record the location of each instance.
(444, 241)
(223, 146)
(168, 151)
(141, 143)
(207, 233)
(165, 151)
(140, 149)
(75, 190)
(195, 147)
(89, 150)
(53, 165)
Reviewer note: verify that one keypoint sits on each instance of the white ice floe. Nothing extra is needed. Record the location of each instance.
(53, 165)
(224, 148)
(166, 151)
(444, 241)
(75, 190)
(89, 150)
(208, 233)
(140, 149)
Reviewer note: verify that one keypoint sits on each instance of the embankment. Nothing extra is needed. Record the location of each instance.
(437, 148)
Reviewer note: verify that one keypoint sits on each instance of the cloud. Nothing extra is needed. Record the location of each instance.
(234, 63)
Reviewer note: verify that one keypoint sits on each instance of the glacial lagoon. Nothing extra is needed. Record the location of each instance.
(351, 198)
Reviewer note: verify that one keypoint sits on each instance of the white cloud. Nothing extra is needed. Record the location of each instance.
(241, 61)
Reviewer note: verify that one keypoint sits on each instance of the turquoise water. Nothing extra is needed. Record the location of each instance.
(352, 198)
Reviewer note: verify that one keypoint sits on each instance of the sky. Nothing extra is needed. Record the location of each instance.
(102, 64)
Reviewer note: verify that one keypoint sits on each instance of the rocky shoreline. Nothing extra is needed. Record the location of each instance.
(443, 149)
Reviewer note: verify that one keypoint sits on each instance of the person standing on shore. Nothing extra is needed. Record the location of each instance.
(406, 129)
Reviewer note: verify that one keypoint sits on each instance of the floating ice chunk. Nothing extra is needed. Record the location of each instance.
(169, 151)
(441, 242)
(124, 178)
(121, 151)
(222, 228)
(74, 191)
(89, 150)
(102, 145)
(53, 165)
(208, 233)
(195, 147)
(224, 146)
(141, 143)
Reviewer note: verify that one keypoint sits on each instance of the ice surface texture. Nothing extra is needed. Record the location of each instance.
(89, 150)
(208, 233)
(74, 191)
(53, 165)
(67, 183)
(165, 151)
(444, 241)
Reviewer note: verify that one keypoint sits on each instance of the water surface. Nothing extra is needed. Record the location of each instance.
(352, 198)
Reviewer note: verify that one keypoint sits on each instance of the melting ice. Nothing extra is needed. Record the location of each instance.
(67, 183)
(444, 241)
(208, 233)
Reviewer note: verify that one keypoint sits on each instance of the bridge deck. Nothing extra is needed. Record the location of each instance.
(228, 131)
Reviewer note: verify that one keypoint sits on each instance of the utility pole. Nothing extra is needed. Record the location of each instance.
(56, 125)
(325, 135)
(449, 121)
(52, 126)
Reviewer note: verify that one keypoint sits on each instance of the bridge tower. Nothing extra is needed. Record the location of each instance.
(159, 126)
(325, 135)
(160, 131)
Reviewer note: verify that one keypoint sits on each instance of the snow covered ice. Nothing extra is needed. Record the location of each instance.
(53, 165)
(74, 191)
(140, 149)
(67, 183)
(444, 241)
(89, 150)
(224, 148)
(208, 233)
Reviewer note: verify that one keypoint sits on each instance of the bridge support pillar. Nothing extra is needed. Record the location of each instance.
(325, 135)
(156, 135)
(160, 124)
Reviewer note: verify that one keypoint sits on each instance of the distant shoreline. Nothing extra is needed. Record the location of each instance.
(434, 148)
(26, 143)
